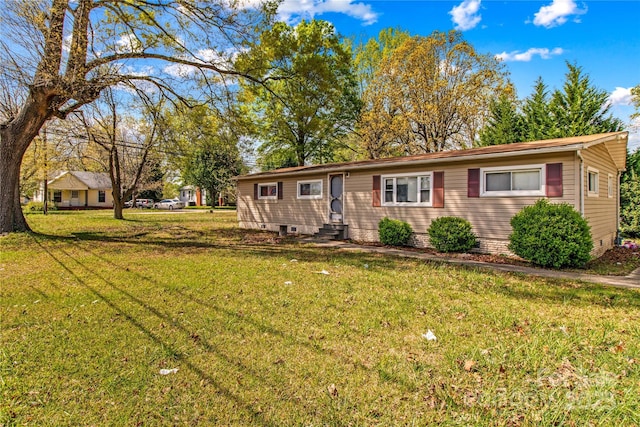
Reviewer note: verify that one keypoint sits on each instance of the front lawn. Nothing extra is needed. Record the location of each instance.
(261, 331)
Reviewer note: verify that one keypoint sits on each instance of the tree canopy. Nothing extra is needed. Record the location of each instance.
(58, 55)
(310, 102)
(578, 108)
(205, 146)
(429, 94)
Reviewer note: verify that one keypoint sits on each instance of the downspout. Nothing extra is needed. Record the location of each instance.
(581, 182)
(618, 241)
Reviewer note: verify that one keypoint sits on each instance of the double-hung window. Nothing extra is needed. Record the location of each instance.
(268, 191)
(310, 189)
(101, 196)
(513, 181)
(593, 186)
(407, 189)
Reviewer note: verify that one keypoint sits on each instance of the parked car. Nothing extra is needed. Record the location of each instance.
(170, 204)
(128, 203)
(144, 203)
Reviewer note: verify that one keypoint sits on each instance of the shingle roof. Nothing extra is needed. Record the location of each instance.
(94, 180)
(561, 144)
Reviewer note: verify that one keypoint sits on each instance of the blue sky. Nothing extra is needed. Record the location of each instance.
(534, 38)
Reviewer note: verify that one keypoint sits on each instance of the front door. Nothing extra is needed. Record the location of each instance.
(336, 187)
(75, 198)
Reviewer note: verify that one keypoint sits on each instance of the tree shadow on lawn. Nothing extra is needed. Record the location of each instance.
(268, 244)
(252, 409)
(77, 268)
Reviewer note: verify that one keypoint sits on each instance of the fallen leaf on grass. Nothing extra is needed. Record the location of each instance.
(617, 348)
(333, 390)
(469, 365)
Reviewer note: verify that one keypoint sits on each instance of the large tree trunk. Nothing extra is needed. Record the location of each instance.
(15, 138)
(11, 217)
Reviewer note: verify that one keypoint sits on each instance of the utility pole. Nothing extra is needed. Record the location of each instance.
(46, 189)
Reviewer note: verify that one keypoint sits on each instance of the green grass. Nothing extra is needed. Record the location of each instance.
(92, 309)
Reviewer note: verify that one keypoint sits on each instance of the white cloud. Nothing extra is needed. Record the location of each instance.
(517, 56)
(128, 43)
(465, 15)
(620, 96)
(557, 13)
(291, 11)
(203, 56)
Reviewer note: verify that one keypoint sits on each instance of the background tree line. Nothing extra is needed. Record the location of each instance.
(247, 93)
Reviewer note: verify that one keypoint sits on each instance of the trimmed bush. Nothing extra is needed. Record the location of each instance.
(394, 232)
(38, 207)
(551, 235)
(451, 234)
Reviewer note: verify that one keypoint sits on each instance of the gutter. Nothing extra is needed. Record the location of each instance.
(581, 181)
(618, 238)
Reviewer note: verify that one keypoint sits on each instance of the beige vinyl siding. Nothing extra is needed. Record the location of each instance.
(67, 182)
(93, 198)
(303, 214)
(600, 211)
(489, 216)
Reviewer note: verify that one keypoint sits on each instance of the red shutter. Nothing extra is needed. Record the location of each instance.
(375, 194)
(473, 183)
(554, 180)
(438, 190)
(280, 195)
(255, 191)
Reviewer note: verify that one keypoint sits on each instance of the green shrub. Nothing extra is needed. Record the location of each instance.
(630, 206)
(451, 234)
(38, 207)
(551, 235)
(394, 232)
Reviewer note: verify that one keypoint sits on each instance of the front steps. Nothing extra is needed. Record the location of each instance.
(332, 232)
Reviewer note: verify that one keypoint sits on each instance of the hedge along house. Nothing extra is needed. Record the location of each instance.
(487, 186)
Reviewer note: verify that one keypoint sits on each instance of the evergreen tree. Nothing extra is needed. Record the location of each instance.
(580, 108)
(505, 123)
(537, 120)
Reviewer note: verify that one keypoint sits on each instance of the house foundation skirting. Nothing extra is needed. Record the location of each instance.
(275, 226)
(421, 240)
(418, 240)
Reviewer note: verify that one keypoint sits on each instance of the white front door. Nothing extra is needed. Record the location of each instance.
(75, 198)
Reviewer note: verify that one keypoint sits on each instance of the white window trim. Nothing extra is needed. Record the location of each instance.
(267, 184)
(513, 193)
(595, 171)
(610, 185)
(311, 196)
(406, 175)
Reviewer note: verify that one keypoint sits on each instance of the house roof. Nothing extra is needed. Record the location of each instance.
(92, 180)
(575, 143)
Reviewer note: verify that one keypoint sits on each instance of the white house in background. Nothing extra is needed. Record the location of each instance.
(76, 189)
(193, 196)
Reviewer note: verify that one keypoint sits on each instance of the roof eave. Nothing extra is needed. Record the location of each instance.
(462, 158)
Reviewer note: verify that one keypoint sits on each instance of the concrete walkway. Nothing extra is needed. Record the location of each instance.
(632, 281)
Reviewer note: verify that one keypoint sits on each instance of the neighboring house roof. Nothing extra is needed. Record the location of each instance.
(89, 180)
(615, 142)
